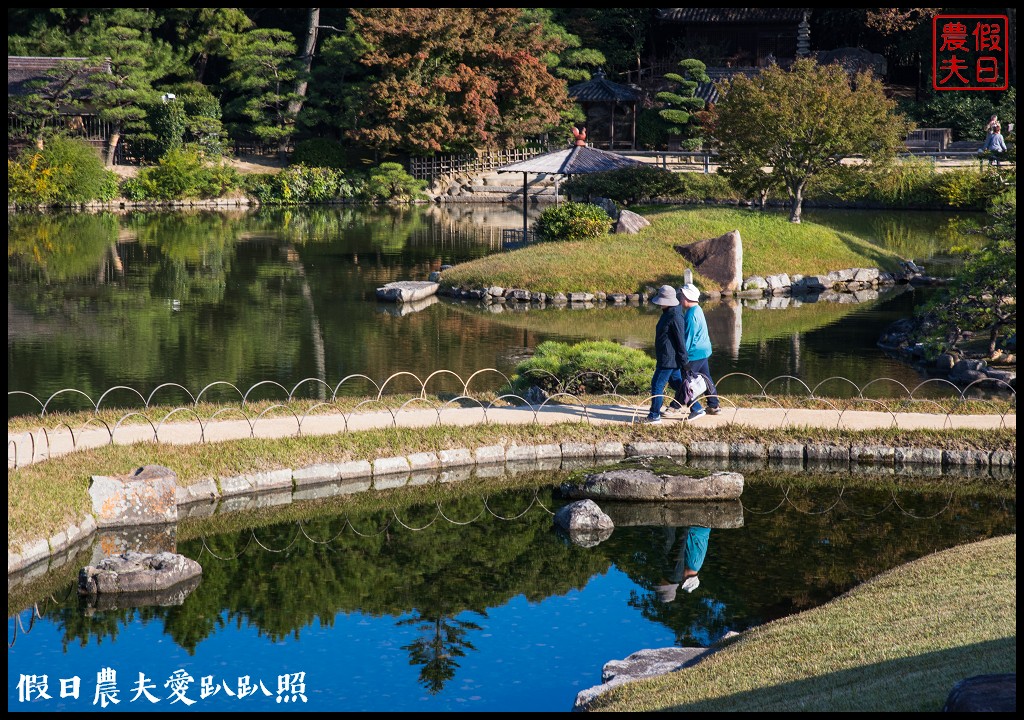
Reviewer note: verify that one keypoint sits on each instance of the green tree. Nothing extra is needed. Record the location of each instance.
(802, 122)
(983, 297)
(682, 104)
(206, 33)
(454, 79)
(43, 101)
(339, 82)
(263, 73)
(121, 96)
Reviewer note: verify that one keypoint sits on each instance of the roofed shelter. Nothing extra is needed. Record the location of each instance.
(576, 160)
(601, 99)
(54, 78)
(739, 36)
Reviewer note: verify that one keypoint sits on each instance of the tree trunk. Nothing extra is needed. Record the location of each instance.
(796, 204)
(295, 106)
(115, 138)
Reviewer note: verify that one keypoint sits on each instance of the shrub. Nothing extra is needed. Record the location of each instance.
(967, 189)
(595, 367)
(138, 189)
(389, 182)
(908, 182)
(181, 174)
(300, 184)
(168, 122)
(320, 152)
(572, 221)
(65, 171)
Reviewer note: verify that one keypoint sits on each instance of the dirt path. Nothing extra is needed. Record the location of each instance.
(244, 164)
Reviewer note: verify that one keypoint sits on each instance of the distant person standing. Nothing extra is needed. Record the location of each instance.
(992, 123)
(698, 349)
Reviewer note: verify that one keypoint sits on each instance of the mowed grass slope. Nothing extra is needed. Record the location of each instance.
(631, 263)
(899, 642)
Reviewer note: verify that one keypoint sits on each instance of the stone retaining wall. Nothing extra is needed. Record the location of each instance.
(281, 487)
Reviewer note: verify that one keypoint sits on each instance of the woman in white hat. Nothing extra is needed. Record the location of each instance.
(698, 349)
(669, 352)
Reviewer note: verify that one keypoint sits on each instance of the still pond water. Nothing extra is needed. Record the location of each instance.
(146, 298)
(470, 601)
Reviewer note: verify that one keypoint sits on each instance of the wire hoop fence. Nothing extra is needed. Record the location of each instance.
(582, 397)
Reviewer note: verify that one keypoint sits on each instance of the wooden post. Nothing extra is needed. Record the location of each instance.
(524, 207)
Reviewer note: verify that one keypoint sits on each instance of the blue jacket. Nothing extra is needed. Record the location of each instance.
(670, 339)
(698, 342)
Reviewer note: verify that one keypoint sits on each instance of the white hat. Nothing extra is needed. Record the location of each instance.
(690, 292)
(666, 297)
(691, 584)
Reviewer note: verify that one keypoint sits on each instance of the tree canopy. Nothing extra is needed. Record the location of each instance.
(800, 124)
(474, 77)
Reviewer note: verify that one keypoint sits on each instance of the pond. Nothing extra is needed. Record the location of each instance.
(463, 597)
(139, 299)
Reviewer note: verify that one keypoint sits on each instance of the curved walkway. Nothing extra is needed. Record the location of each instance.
(24, 448)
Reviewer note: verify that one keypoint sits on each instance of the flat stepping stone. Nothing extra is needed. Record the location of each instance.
(135, 572)
(407, 291)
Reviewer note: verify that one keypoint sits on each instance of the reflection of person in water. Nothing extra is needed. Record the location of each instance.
(689, 561)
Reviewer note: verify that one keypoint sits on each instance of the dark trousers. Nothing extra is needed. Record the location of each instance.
(673, 377)
(711, 396)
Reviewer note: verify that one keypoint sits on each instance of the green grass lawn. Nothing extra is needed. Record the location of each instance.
(630, 263)
(898, 642)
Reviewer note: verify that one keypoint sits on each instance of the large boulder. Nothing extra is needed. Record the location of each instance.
(719, 259)
(146, 496)
(638, 484)
(630, 223)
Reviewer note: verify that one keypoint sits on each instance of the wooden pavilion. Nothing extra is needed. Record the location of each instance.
(608, 106)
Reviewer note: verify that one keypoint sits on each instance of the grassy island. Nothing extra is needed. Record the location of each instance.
(630, 263)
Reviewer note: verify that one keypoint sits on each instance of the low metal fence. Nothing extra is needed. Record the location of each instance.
(901, 406)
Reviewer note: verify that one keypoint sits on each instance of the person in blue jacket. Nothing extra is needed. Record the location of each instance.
(698, 349)
(689, 561)
(669, 352)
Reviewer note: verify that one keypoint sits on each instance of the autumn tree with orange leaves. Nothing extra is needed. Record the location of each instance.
(452, 79)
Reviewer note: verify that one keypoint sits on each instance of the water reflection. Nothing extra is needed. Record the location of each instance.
(476, 589)
(196, 297)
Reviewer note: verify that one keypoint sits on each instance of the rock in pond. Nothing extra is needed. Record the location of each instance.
(407, 291)
(585, 523)
(640, 484)
(138, 573)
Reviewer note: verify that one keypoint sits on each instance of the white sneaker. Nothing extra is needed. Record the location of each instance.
(673, 412)
(650, 421)
(696, 414)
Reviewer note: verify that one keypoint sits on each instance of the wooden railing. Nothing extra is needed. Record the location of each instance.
(428, 168)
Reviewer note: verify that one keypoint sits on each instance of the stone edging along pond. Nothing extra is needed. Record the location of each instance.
(282, 487)
(847, 285)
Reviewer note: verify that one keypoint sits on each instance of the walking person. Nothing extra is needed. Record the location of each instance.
(698, 349)
(688, 563)
(669, 352)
